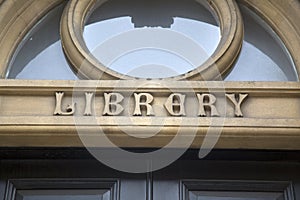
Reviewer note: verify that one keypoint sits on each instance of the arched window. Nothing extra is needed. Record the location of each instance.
(157, 39)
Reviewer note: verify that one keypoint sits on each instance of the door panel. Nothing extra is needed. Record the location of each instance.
(63, 194)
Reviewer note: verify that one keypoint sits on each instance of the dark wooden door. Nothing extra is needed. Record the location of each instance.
(50, 175)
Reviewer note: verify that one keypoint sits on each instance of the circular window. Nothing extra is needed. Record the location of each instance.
(143, 40)
(154, 39)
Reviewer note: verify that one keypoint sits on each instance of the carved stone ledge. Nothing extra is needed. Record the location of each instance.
(271, 114)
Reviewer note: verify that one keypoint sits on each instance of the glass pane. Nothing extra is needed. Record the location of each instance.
(153, 38)
(263, 56)
(40, 56)
(203, 195)
(63, 195)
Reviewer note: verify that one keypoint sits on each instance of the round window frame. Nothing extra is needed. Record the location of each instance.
(87, 66)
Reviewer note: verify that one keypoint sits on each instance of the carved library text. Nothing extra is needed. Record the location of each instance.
(128, 110)
(175, 104)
